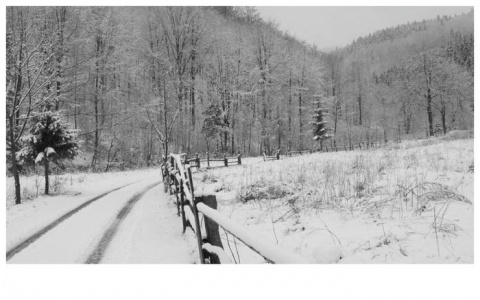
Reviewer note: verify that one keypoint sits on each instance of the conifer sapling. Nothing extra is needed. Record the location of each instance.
(49, 139)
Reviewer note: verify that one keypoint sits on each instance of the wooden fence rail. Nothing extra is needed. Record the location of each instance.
(336, 148)
(196, 162)
(192, 209)
(275, 157)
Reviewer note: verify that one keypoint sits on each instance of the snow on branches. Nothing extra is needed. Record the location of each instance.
(320, 129)
(49, 138)
(49, 135)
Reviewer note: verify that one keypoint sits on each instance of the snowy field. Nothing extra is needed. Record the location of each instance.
(407, 203)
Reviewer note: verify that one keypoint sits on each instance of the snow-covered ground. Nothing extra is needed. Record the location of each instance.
(149, 233)
(68, 185)
(402, 204)
(27, 218)
(407, 203)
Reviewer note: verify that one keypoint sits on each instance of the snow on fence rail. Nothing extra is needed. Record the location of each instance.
(178, 181)
(336, 148)
(275, 157)
(196, 161)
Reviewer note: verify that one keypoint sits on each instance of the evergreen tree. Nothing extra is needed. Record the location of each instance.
(212, 124)
(320, 128)
(50, 139)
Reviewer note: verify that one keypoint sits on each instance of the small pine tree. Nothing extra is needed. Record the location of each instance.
(50, 138)
(320, 129)
(212, 124)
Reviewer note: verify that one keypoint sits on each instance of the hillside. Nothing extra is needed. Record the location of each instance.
(135, 83)
(375, 84)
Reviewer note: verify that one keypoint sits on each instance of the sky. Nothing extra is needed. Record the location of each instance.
(329, 27)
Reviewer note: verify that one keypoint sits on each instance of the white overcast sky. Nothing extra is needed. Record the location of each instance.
(329, 27)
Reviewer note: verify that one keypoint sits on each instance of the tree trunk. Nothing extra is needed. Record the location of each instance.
(192, 89)
(406, 120)
(290, 110)
(300, 103)
(97, 67)
(75, 104)
(233, 136)
(430, 112)
(359, 99)
(225, 141)
(61, 19)
(95, 146)
(13, 153)
(165, 117)
(47, 184)
(300, 124)
(443, 112)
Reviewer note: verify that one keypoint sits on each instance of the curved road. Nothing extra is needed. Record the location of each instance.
(108, 226)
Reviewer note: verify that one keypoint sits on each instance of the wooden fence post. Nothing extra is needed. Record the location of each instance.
(208, 159)
(198, 232)
(278, 154)
(239, 159)
(170, 182)
(225, 159)
(197, 160)
(162, 172)
(177, 189)
(211, 228)
(182, 206)
(166, 178)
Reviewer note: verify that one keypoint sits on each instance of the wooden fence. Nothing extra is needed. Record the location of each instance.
(275, 157)
(192, 209)
(336, 148)
(196, 162)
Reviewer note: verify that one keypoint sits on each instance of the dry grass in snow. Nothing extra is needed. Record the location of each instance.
(406, 203)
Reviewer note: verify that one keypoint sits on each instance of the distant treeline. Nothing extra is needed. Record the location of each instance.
(142, 81)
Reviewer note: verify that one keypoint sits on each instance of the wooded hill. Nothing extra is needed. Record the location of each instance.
(140, 82)
(409, 80)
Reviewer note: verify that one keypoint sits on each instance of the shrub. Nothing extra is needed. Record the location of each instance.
(458, 135)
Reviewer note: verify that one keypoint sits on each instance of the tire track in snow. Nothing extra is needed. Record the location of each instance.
(108, 236)
(41, 232)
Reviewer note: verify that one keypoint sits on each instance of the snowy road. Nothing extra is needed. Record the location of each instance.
(151, 233)
(135, 224)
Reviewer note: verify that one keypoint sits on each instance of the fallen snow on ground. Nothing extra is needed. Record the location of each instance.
(345, 207)
(28, 217)
(151, 233)
(73, 240)
(353, 207)
(76, 184)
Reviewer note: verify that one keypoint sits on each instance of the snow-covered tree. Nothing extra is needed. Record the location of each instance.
(50, 138)
(320, 129)
(212, 124)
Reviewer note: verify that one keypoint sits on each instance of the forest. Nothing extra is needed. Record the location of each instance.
(125, 85)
